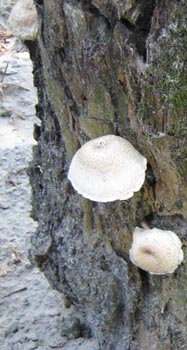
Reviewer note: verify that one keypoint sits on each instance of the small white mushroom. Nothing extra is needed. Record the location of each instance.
(107, 168)
(23, 20)
(156, 251)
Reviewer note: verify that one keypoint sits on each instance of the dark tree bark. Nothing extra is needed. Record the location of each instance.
(112, 67)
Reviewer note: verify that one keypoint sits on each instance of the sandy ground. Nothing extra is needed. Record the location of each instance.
(31, 312)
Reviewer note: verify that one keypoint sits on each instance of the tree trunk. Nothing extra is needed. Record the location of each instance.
(112, 67)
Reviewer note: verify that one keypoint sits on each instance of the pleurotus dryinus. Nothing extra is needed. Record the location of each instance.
(107, 168)
(23, 20)
(156, 251)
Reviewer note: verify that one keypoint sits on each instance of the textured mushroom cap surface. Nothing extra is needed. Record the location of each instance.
(156, 251)
(107, 168)
(23, 20)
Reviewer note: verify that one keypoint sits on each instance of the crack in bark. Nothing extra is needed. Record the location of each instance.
(140, 30)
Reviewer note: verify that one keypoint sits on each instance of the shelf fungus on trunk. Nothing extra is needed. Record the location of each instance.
(156, 251)
(23, 20)
(107, 168)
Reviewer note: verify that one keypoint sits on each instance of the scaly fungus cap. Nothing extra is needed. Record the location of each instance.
(107, 168)
(156, 251)
(23, 20)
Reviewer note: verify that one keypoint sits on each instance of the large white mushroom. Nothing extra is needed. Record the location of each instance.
(156, 251)
(107, 168)
(23, 20)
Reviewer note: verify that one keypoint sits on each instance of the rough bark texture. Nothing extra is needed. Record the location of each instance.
(112, 67)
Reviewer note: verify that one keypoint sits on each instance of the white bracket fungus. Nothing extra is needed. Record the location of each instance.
(23, 20)
(156, 251)
(107, 168)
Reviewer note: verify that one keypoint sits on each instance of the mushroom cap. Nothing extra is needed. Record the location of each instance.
(107, 168)
(156, 251)
(23, 20)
